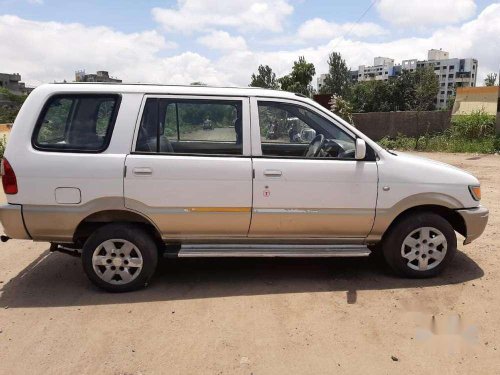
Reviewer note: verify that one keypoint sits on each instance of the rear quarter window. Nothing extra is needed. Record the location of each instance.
(77, 123)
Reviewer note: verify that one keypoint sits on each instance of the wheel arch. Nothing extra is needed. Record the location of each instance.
(97, 219)
(449, 214)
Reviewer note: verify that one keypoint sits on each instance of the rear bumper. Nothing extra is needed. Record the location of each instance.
(11, 217)
(475, 222)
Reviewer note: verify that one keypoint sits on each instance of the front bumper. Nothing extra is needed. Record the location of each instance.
(475, 222)
(11, 217)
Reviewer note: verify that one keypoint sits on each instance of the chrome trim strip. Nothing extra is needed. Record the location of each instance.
(266, 250)
(187, 210)
(321, 211)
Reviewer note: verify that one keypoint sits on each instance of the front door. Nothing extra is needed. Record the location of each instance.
(190, 170)
(301, 191)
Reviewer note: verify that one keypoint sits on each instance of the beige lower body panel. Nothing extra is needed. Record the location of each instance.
(385, 216)
(11, 218)
(209, 224)
(182, 222)
(59, 223)
(313, 222)
(475, 222)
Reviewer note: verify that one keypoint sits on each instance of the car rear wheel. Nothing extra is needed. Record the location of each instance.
(420, 245)
(120, 257)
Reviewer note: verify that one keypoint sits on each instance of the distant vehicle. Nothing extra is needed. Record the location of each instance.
(208, 125)
(121, 175)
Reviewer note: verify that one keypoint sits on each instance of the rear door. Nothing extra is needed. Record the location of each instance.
(190, 170)
(329, 196)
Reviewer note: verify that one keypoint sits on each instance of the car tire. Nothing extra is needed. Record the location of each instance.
(419, 245)
(120, 257)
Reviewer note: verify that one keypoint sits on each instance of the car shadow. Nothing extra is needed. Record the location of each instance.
(54, 279)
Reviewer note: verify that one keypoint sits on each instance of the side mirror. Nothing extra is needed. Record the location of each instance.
(360, 149)
(308, 134)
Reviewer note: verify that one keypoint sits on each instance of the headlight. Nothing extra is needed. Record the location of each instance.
(475, 191)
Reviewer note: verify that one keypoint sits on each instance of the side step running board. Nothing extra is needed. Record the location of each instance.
(286, 251)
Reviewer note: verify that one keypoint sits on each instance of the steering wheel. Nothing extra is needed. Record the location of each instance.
(315, 146)
(338, 148)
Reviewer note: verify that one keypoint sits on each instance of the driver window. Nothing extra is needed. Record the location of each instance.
(290, 130)
(280, 126)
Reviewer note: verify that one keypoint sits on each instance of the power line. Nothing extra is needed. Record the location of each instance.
(357, 21)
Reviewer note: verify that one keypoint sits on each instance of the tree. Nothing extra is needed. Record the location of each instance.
(411, 91)
(490, 79)
(403, 91)
(337, 81)
(8, 111)
(299, 80)
(265, 78)
(372, 96)
(341, 107)
(450, 103)
(426, 89)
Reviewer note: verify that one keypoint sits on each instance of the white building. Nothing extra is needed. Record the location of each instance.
(321, 80)
(452, 72)
(382, 69)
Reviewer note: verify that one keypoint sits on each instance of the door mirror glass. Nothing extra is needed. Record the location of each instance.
(360, 149)
(308, 134)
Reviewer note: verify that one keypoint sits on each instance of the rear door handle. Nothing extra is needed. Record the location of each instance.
(142, 171)
(272, 173)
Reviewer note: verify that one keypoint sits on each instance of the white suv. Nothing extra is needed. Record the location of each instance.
(124, 174)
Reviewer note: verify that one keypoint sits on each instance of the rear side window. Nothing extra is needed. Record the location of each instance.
(191, 126)
(76, 123)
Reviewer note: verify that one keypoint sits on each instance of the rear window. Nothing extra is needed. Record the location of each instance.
(76, 123)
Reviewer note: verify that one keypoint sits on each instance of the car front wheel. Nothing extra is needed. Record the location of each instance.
(420, 245)
(120, 257)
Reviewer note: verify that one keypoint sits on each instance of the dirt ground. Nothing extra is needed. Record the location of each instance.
(292, 316)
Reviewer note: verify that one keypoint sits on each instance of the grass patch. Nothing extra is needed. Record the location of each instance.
(473, 133)
(442, 143)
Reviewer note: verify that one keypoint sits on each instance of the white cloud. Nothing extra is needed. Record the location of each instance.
(318, 29)
(221, 40)
(424, 13)
(477, 39)
(36, 2)
(47, 51)
(200, 15)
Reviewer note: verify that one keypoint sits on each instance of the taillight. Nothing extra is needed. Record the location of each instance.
(9, 180)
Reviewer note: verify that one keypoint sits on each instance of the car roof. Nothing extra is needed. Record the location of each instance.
(170, 89)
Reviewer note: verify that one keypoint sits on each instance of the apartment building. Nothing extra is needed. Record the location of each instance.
(321, 81)
(99, 76)
(452, 72)
(382, 69)
(12, 82)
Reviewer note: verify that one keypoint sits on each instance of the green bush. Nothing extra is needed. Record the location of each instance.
(9, 112)
(476, 125)
(3, 143)
(496, 143)
(474, 133)
(442, 143)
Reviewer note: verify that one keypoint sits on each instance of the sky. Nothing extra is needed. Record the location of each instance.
(222, 42)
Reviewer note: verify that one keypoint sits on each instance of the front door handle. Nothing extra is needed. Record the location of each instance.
(142, 171)
(272, 173)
